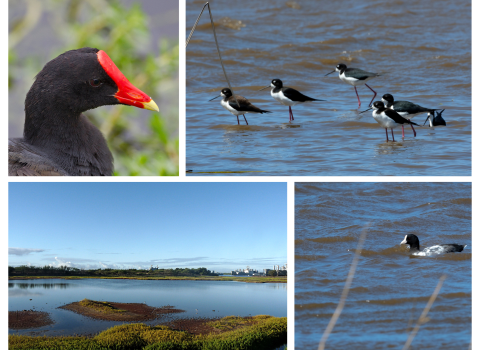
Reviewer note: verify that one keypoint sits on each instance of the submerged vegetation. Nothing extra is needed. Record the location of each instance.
(259, 332)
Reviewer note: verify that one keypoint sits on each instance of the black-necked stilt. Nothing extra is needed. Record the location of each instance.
(228, 102)
(406, 109)
(436, 121)
(388, 118)
(287, 96)
(355, 77)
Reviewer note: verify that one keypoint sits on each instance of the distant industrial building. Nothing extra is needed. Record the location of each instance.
(246, 272)
(281, 271)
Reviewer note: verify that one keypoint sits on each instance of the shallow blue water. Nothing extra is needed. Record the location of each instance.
(197, 298)
(421, 48)
(390, 288)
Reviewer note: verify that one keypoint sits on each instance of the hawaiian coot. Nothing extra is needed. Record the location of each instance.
(414, 243)
(57, 138)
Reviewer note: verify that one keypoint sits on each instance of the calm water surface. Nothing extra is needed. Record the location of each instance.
(390, 288)
(197, 298)
(422, 48)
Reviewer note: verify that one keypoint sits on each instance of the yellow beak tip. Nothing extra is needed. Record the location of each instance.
(151, 105)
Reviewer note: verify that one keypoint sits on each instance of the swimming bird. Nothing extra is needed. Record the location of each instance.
(414, 243)
(57, 138)
(355, 77)
(436, 121)
(406, 109)
(388, 118)
(230, 104)
(287, 96)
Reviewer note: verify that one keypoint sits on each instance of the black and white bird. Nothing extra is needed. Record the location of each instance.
(355, 77)
(230, 104)
(287, 96)
(414, 243)
(407, 109)
(437, 120)
(388, 118)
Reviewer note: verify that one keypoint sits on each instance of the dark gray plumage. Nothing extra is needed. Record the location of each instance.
(57, 138)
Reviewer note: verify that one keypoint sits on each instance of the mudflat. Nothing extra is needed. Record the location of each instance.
(28, 319)
(110, 311)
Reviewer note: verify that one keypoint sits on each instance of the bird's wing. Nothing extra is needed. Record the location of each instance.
(397, 117)
(24, 160)
(359, 74)
(403, 106)
(245, 105)
(295, 95)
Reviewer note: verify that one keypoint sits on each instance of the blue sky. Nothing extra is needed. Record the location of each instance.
(220, 226)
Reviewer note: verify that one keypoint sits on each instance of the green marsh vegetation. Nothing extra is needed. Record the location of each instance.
(198, 274)
(102, 306)
(140, 145)
(230, 333)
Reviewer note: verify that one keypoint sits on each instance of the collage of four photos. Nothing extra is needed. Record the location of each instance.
(213, 222)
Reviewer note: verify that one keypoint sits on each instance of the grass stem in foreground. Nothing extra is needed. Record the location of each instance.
(346, 288)
(423, 317)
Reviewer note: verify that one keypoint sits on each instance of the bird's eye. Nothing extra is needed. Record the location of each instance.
(95, 82)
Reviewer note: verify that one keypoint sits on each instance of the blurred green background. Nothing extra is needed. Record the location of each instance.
(141, 37)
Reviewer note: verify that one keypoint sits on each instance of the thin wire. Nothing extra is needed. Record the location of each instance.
(346, 288)
(216, 43)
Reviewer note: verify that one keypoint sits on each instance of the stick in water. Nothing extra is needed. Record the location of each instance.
(216, 43)
(346, 288)
(423, 317)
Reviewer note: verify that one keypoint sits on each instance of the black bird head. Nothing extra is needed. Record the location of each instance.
(339, 68)
(226, 92)
(412, 241)
(276, 83)
(376, 105)
(388, 100)
(83, 79)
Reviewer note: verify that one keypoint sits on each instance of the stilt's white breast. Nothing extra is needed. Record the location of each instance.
(230, 109)
(280, 97)
(383, 120)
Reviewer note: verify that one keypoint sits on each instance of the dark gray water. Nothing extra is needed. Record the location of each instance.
(422, 48)
(391, 287)
(197, 298)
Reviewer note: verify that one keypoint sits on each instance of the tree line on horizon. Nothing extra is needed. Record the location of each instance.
(25, 270)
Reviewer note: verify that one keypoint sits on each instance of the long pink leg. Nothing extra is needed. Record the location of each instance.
(290, 113)
(373, 95)
(403, 132)
(238, 120)
(414, 133)
(245, 119)
(386, 133)
(359, 103)
(392, 135)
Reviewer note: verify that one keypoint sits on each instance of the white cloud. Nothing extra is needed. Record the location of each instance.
(23, 251)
